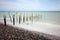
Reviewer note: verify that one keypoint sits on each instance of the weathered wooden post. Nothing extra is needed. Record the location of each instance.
(5, 20)
(19, 19)
(10, 16)
(13, 19)
(32, 17)
(23, 18)
(27, 18)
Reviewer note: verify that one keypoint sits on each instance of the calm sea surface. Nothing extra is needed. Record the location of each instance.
(47, 16)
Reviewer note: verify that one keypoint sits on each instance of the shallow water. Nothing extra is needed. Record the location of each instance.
(52, 17)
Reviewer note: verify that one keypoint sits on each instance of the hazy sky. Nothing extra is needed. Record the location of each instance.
(29, 5)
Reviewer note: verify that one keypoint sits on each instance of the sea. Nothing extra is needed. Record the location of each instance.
(52, 17)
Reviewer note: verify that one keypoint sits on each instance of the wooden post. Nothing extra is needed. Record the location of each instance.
(10, 16)
(27, 18)
(19, 19)
(16, 17)
(23, 18)
(5, 20)
(13, 19)
(32, 17)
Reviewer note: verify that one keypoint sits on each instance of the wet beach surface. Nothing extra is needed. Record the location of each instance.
(11, 33)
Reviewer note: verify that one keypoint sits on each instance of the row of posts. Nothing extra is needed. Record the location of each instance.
(14, 19)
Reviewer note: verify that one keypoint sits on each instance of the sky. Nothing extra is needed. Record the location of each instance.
(29, 5)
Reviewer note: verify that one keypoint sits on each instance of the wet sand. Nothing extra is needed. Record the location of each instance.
(11, 33)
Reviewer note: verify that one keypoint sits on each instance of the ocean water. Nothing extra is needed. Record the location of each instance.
(52, 17)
